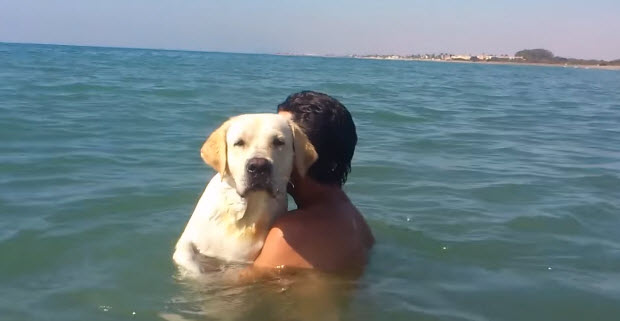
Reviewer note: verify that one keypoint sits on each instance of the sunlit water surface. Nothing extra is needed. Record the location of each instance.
(493, 191)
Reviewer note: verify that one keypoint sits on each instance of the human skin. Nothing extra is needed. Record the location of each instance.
(326, 232)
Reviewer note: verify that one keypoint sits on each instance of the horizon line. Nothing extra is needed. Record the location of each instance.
(134, 48)
(240, 52)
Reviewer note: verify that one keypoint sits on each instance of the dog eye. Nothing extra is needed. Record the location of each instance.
(239, 143)
(278, 141)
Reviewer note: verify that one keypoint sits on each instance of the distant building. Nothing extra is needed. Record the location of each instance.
(460, 57)
(443, 56)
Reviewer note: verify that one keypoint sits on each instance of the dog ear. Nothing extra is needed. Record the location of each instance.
(213, 151)
(305, 154)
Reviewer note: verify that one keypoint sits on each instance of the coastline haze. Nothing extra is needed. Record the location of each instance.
(567, 28)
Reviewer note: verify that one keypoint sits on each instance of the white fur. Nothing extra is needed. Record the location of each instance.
(224, 224)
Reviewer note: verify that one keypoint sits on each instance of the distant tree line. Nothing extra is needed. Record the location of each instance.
(547, 57)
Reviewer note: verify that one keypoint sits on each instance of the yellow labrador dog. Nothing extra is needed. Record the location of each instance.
(254, 155)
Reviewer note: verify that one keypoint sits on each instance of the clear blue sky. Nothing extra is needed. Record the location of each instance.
(583, 29)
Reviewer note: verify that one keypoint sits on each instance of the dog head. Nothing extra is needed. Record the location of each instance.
(259, 152)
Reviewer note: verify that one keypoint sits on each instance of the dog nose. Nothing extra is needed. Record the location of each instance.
(259, 166)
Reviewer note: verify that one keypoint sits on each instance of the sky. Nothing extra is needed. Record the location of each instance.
(579, 29)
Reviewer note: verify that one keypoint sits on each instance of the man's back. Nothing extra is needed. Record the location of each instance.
(330, 235)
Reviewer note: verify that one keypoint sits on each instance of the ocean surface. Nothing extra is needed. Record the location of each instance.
(493, 190)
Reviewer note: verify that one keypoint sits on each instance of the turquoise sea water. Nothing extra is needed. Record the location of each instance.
(493, 191)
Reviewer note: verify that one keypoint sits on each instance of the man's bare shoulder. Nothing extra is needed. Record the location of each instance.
(341, 223)
(329, 239)
(292, 220)
(277, 250)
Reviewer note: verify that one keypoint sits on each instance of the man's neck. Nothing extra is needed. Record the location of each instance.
(308, 192)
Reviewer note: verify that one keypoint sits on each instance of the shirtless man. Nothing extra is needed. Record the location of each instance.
(326, 231)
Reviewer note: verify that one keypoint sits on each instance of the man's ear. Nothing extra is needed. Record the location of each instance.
(213, 151)
(305, 154)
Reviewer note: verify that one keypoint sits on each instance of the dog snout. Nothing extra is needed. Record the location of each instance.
(259, 166)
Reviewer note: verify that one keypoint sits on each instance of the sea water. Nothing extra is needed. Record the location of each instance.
(493, 190)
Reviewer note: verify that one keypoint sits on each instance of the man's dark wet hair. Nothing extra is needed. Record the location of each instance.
(329, 126)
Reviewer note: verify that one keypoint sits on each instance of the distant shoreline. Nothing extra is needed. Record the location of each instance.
(483, 62)
(577, 66)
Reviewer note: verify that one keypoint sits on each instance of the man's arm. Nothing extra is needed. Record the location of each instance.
(277, 252)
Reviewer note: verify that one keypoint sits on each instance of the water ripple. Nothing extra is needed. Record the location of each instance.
(487, 187)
